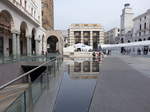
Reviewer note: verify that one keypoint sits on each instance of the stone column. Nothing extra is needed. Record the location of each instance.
(28, 46)
(37, 49)
(82, 37)
(91, 66)
(91, 39)
(14, 44)
(18, 45)
(81, 67)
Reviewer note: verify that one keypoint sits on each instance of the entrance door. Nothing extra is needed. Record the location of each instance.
(21, 47)
(1, 46)
(10, 47)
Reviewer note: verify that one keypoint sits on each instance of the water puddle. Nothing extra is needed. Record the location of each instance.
(78, 84)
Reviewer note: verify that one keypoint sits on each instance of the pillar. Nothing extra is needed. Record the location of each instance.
(18, 44)
(14, 44)
(91, 39)
(37, 47)
(29, 46)
(82, 37)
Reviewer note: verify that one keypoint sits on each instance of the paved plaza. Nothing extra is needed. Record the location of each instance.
(123, 85)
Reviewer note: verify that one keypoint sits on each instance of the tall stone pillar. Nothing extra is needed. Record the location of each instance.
(14, 44)
(82, 37)
(91, 39)
(37, 49)
(28, 46)
(18, 44)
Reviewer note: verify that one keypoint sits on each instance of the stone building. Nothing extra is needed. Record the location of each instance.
(21, 29)
(53, 39)
(88, 34)
(111, 35)
(126, 24)
(141, 28)
(48, 14)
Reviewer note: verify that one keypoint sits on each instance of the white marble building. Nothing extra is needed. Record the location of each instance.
(111, 35)
(126, 24)
(126, 19)
(88, 34)
(141, 28)
(21, 31)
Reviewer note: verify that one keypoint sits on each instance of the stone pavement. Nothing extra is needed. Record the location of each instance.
(122, 86)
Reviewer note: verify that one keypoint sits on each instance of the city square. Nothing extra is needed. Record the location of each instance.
(81, 57)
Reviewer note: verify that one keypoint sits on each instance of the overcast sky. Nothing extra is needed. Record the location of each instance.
(105, 12)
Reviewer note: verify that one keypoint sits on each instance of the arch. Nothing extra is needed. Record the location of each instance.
(148, 38)
(6, 26)
(52, 44)
(23, 38)
(6, 19)
(33, 42)
(140, 39)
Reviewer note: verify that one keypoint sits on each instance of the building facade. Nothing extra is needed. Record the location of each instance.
(126, 19)
(53, 39)
(48, 14)
(21, 29)
(126, 24)
(88, 34)
(141, 28)
(111, 35)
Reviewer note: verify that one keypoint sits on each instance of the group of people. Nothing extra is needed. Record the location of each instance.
(139, 51)
(97, 54)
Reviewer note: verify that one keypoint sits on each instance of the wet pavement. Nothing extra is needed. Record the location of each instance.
(121, 87)
(78, 85)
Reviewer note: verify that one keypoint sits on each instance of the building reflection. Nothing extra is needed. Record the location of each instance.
(84, 70)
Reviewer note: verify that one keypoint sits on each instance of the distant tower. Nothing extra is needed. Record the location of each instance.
(126, 19)
(48, 14)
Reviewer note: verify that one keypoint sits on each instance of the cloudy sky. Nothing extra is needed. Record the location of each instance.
(105, 12)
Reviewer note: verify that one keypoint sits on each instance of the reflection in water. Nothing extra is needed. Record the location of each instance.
(77, 67)
(77, 86)
(86, 66)
(95, 66)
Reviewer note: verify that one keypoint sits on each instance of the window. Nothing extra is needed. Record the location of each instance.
(140, 27)
(144, 25)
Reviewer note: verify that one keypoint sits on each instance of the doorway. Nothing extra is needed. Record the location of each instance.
(10, 47)
(1, 46)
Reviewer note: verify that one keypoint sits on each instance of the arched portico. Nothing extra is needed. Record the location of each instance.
(52, 44)
(6, 25)
(23, 38)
